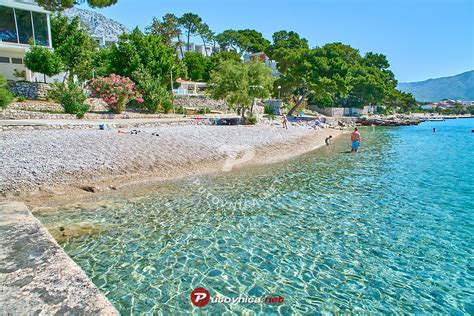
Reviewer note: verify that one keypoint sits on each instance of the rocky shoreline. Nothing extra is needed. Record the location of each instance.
(392, 121)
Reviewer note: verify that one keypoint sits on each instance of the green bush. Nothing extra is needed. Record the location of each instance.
(154, 93)
(6, 96)
(167, 107)
(179, 110)
(203, 110)
(269, 109)
(71, 97)
(21, 98)
(251, 120)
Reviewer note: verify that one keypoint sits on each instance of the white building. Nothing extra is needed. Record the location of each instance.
(193, 47)
(190, 88)
(263, 58)
(20, 21)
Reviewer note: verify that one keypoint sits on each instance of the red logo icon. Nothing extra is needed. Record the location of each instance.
(200, 297)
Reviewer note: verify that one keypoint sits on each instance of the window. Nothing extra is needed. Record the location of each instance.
(25, 29)
(18, 61)
(40, 22)
(4, 60)
(7, 25)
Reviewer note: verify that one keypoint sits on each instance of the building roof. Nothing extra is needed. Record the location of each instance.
(179, 80)
(28, 5)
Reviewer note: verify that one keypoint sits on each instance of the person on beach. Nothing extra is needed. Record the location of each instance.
(285, 122)
(328, 140)
(355, 138)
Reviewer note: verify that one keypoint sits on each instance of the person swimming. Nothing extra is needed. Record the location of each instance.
(355, 139)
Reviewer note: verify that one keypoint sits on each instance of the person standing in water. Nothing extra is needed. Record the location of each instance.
(328, 140)
(355, 138)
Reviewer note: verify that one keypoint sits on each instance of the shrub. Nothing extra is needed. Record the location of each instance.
(21, 98)
(6, 96)
(203, 110)
(116, 91)
(269, 109)
(179, 110)
(155, 95)
(251, 120)
(167, 107)
(71, 97)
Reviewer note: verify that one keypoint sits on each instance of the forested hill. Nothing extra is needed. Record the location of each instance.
(459, 87)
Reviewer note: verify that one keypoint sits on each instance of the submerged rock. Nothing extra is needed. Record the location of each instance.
(64, 232)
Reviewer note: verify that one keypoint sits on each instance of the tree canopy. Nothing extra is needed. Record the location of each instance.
(42, 60)
(332, 75)
(243, 41)
(239, 84)
(168, 28)
(143, 51)
(191, 23)
(59, 5)
(73, 45)
(196, 65)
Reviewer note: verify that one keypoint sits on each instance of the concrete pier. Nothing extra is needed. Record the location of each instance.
(36, 275)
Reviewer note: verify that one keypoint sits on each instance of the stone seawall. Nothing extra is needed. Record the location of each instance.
(36, 275)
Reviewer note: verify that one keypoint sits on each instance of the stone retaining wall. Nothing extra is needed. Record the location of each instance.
(200, 102)
(37, 277)
(30, 90)
(36, 106)
(26, 115)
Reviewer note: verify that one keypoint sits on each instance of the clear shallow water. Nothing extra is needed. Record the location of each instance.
(388, 230)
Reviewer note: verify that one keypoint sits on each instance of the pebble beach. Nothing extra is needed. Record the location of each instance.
(39, 160)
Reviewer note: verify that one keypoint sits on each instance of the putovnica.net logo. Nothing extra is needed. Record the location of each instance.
(200, 297)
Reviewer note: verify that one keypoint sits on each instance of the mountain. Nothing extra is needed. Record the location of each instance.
(459, 87)
(98, 24)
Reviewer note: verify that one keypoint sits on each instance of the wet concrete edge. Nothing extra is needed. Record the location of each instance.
(37, 276)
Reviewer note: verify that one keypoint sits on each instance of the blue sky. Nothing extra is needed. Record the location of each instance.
(422, 38)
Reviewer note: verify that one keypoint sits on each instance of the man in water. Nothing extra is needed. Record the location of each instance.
(355, 138)
(328, 140)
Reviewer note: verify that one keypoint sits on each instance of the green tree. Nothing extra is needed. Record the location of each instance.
(73, 45)
(228, 39)
(59, 5)
(168, 29)
(239, 84)
(206, 35)
(288, 50)
(218, 58)
(395, 100)
(191, 23)
(136, 51)
(43, 60)
(252, 41)
(243, 41)
(197, 65)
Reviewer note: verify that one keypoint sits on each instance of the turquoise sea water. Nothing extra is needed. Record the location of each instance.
(387, 230)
